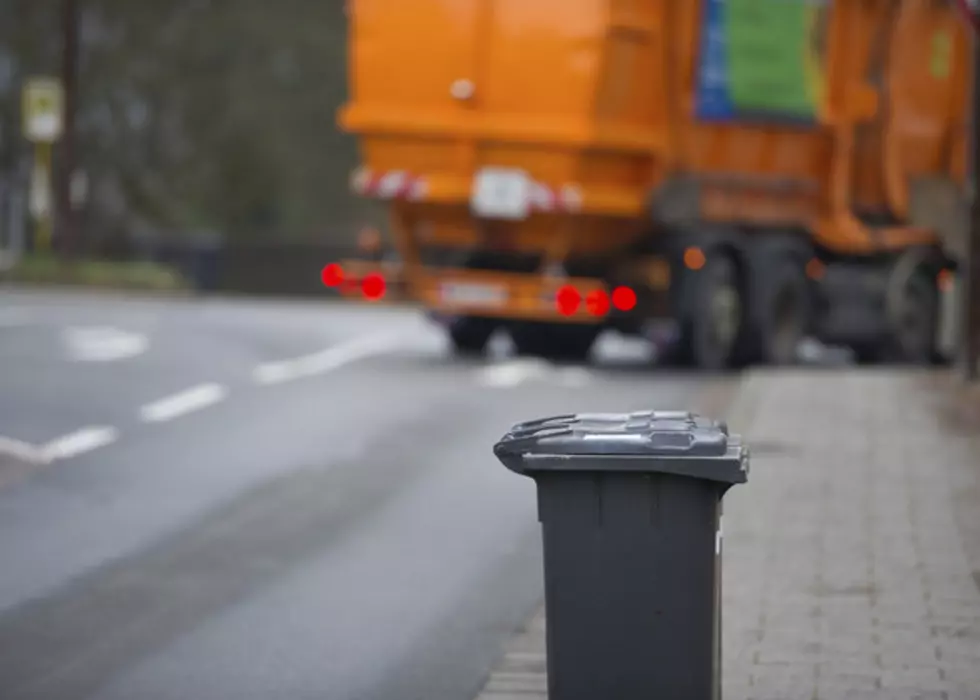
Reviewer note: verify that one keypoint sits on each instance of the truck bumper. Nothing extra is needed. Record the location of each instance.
(448, 293)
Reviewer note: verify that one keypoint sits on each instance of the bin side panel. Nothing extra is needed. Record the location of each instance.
(630, 577)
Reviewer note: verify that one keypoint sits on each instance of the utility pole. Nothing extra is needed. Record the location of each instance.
(972, 297)
(67, 232)
(971, 306)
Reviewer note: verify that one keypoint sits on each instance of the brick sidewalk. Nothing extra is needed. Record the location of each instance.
(851, 560)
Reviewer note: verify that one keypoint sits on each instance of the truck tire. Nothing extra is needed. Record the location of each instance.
(866, 354)
(780, 311)
(912, 307)
(715, 319)
(915, 319)
(469, 335)
(554, 341)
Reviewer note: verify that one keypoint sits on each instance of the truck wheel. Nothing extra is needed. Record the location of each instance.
(912, 306)
(915, 318)
(554, 341)
(716, 314)
(866, 354)
(469, 335)
(783, 316)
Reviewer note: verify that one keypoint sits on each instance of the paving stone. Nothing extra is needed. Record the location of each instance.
(848, 573)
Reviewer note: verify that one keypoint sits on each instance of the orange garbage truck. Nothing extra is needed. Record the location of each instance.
(726, 176)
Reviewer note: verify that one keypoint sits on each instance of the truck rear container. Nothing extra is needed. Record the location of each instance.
(729, 175)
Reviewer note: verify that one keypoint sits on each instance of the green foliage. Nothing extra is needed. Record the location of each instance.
(43, 269)
(204, 114)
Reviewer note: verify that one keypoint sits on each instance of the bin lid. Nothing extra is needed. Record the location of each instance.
(675, 442)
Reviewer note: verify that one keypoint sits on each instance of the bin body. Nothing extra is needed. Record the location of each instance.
(629, 583)
(630, 510)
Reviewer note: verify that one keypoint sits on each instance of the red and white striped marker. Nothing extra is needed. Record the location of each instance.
(399, 184)
(393, 184)
(567, 198)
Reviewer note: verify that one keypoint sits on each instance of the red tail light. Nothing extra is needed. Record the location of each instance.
(373, 286)
(568, 300)
(597, 302)
(624, 298)
(332, 275)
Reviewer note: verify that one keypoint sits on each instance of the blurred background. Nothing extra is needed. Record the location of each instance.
(198, 123)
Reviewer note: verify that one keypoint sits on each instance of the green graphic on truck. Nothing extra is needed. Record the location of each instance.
(762, 59)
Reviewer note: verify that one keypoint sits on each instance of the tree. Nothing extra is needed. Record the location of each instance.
(202, 114)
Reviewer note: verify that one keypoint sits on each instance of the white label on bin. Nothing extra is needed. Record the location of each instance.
(718, 538)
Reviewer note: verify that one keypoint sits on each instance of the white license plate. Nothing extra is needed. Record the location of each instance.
(473, 294)
(501, 193)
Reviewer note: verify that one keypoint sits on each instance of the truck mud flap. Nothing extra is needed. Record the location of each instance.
(949, 328)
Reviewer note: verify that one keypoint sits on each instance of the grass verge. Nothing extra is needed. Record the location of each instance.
(101, 274)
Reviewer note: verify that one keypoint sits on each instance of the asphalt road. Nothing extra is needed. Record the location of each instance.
(240, 499)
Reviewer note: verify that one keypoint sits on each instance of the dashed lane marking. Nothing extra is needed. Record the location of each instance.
(79, 442)
(327, 360)
(22, 451)
(65, 447)
(103, 344)
(193, 399)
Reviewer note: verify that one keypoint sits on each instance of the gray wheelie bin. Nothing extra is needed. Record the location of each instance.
(630, 511)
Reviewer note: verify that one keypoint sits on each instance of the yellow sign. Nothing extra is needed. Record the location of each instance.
(43, 101)
(942, 51)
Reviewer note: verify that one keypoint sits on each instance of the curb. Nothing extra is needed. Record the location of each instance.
(93, 290)
(191, 294)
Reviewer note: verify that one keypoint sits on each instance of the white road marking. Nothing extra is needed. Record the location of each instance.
(23, 451)
(65, 447)
(574, 376)
(103, 344)
(79, 442)
(513, 372)
(327, 360)
(192, 399)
